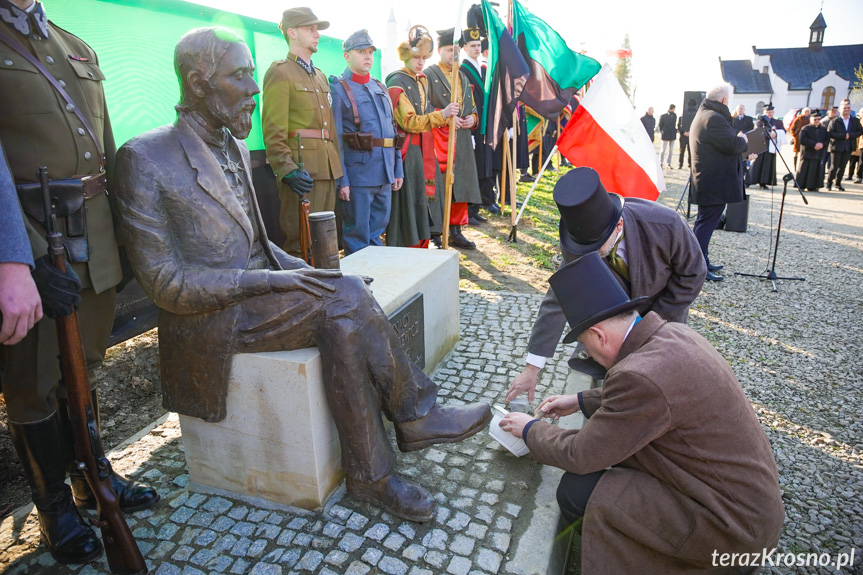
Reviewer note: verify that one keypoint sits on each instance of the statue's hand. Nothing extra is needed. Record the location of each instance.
(307, 280)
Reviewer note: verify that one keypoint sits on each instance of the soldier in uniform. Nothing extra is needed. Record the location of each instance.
(465, 189)
(297, 102)
(371, 165)
(475, 74)
(40, 127)
(416, 215)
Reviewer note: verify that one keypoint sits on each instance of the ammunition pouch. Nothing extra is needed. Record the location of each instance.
(360, 141)
(67, 206)
(399, 140)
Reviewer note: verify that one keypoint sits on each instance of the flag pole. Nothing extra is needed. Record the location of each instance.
(532, 188)
(453, 131)
(504, 170)
(513, 180)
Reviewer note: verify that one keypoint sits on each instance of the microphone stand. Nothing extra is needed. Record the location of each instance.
(688, 198)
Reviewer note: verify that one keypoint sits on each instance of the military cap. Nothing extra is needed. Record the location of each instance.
(469, 35)
(815, 114)
(296, 17)
(769, 107)
(359, 40)
(445, 37)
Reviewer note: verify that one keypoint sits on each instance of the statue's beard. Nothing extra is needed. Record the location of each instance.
(237, 119)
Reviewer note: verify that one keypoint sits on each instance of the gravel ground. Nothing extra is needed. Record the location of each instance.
(797, 354)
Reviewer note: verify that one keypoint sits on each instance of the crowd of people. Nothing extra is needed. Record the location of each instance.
(657, 468)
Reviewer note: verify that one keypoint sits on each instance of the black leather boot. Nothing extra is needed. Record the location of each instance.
(457, 239)
(131, 495)
(68, 537)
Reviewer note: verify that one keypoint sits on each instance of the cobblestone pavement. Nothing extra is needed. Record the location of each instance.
(485, 495)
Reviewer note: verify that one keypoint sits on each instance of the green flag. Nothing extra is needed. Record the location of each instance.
(556, 72)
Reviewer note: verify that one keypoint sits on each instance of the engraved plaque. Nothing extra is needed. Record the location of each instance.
(409, 323)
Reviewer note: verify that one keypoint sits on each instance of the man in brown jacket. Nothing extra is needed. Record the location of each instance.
(672, 468)
(297, 102)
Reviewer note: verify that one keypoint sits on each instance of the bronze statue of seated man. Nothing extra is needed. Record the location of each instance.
(196, 241)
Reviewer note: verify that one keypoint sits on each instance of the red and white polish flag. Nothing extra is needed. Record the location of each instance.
(606, 134)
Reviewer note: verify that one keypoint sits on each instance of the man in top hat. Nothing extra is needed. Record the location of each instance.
(416, 217)
(297, 120)
(763, 169)
(465, 189)
(366, 130)
(73, 139)
(649, 248)
(692, 478)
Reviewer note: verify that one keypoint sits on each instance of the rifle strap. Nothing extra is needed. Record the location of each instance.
(70, 103)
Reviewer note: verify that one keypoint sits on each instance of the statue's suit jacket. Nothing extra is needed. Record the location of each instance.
(665, 264)
(190, 241)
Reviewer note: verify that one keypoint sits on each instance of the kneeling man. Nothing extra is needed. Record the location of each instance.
(199, 249)
(671, 467)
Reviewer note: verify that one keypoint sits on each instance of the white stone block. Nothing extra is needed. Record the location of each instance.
(278, 441)
(401, 273)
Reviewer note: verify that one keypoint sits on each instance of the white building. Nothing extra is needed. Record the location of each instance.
(817, 76)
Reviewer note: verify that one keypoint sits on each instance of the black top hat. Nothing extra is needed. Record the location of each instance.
(588, 213)
(588, 293)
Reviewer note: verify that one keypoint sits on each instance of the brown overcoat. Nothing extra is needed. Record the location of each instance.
(693, 469)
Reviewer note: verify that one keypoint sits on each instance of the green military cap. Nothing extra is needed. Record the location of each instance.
(296, 17)
(359, 40)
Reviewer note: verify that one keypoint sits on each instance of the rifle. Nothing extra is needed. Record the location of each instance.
(305, 208)
(121, 550)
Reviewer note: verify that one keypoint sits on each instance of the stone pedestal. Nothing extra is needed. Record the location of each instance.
(278, 441)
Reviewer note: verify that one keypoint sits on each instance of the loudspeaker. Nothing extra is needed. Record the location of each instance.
(691, 101)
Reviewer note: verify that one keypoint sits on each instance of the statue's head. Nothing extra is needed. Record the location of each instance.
(215, 69)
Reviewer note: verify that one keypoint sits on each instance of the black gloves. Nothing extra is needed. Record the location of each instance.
(59, 291)
(299, 181)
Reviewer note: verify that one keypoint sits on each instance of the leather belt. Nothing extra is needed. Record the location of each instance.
(94, 185)
(308, 133)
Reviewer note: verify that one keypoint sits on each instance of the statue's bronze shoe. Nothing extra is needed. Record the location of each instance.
(446, 424)
(395, 495)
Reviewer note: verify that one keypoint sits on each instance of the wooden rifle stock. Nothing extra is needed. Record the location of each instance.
(121, 550)
(305, 208)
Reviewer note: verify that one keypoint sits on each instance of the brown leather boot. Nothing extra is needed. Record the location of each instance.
(442, 424)
(395, 495)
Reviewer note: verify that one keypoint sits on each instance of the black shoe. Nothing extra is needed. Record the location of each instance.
(481, 218)
(457, 240)
(131, 495)
(526, 179)
(858, 181)
(840, 188)
(62, 529)
(829, 187)
(714, 268)
(435, 239)
(493, 209)
(713, 277)
(473, 221)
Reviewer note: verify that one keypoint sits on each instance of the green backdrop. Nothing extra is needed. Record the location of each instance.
(135, 42)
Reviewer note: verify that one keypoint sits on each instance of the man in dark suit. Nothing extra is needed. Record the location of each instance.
(199, 249)
(683, 128)
(740, 121)
(843, 131)
(649, 123)
(650, 248)
(717, 166)
(668, 132)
